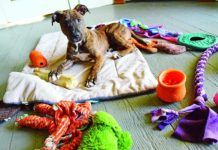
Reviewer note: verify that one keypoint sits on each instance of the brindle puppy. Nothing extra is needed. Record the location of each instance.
(94, 42)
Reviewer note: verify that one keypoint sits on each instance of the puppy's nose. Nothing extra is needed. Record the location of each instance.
(77, 35)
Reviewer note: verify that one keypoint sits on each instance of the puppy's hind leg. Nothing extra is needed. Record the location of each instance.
(127, 46)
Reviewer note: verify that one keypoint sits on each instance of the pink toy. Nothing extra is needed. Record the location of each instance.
(215, 99)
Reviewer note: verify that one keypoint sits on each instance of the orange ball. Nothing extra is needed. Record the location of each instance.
(37, 59)
(171, 86)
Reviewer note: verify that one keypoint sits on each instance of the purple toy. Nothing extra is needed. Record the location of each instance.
(200, 123)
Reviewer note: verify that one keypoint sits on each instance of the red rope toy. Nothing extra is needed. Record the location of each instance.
(63, 121)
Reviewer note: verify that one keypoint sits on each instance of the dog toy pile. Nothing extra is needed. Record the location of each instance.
(153, 45)
(72, 126)
(200, 123)
(150, 32)
(105, 134)
(64, 122)
(66, 81)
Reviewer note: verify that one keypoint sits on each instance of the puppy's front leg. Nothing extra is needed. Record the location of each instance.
(99, 61)
(55, 74)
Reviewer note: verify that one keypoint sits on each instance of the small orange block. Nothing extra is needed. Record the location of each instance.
(37, 59)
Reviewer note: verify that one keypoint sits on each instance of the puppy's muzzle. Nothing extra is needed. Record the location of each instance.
(76, 37)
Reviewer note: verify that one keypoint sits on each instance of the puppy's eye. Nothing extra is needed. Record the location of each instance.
(78, 20)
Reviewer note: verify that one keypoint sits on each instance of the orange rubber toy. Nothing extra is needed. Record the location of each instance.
(149, 47)
(37, 59)
(171, 86)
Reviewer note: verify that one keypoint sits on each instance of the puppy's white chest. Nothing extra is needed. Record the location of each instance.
(83, 56)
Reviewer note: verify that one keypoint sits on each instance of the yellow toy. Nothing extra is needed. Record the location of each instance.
(65, 81)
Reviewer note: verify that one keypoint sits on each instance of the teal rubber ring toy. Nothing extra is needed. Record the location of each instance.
(198, 41)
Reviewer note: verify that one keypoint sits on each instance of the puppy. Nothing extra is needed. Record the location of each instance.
(94, 42)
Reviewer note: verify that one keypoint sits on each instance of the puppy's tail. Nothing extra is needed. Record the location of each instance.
(145, 45)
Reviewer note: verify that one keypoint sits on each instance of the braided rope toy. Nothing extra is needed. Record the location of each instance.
(200, 123)
(64, 121)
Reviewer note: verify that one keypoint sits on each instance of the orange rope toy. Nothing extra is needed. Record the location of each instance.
(63, 121)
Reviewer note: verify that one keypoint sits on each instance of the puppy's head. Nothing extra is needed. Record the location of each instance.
(72, 22)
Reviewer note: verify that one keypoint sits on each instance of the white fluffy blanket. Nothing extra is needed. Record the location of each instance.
(125, 76)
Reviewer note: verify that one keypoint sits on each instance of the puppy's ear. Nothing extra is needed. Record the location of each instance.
(82, 9)
(56, 17)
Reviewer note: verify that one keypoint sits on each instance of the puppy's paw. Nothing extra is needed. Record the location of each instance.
(110, 50)
(116, 55)
(53, 76)
(90, 82)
